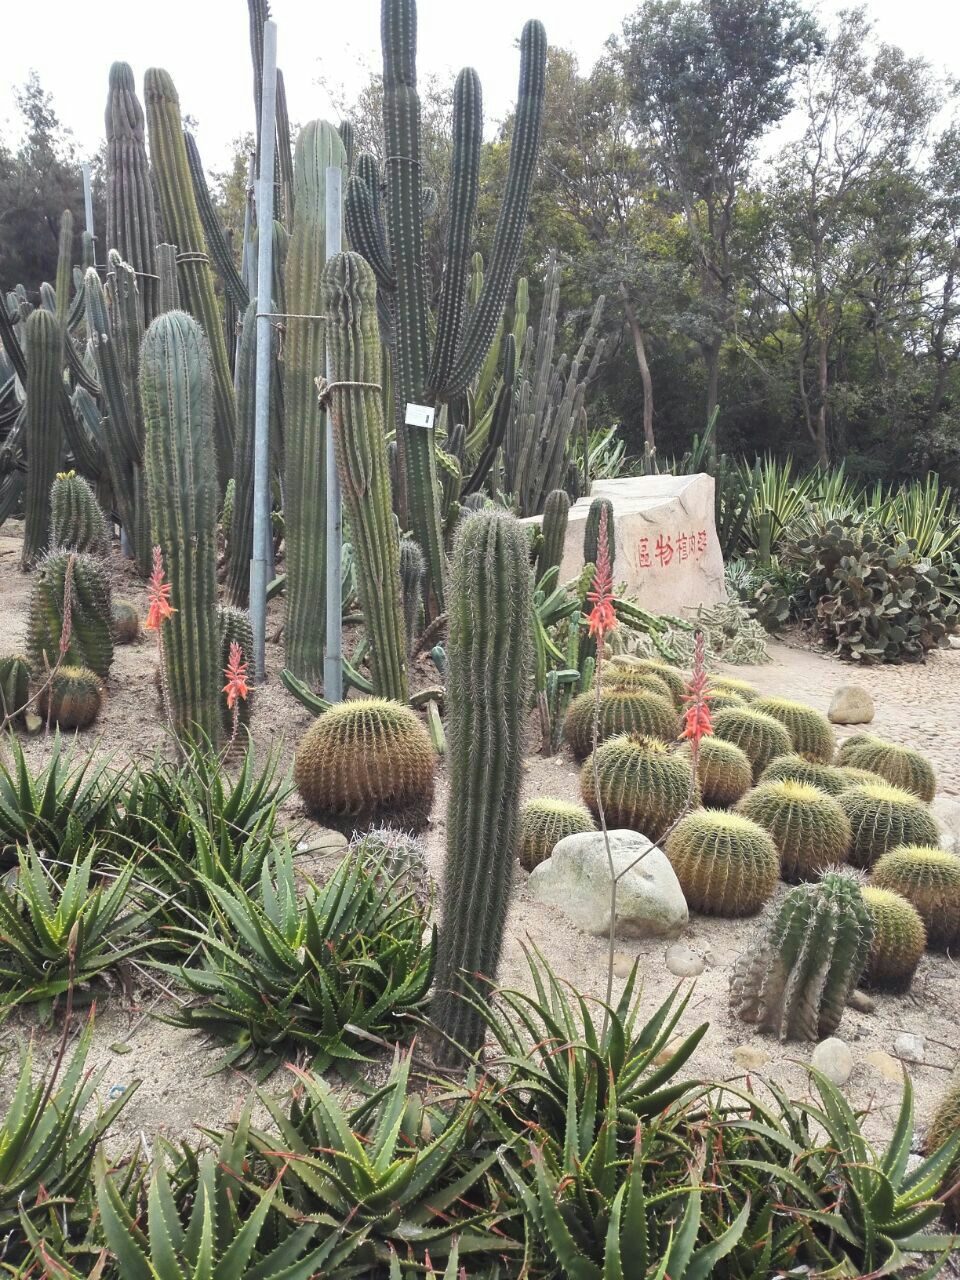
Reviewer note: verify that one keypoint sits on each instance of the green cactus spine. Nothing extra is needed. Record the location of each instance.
(809, 828)
(131, 212)
(91, 625)
(543, 823)
(643, 785)
(73, 698)
(488, 675)
(723, 772)
(14, 684)
(76, 521)
(44, 343)
(412, 568)
(235, 627)
(176, 386)
(883, 817)
(809, 730)
(556, 512)
(318, 148)
(353, 336)
(181, 219)
(759, 736)
(900, 766)
(930, 879)
(621, 711)
(899, 940)
(591, 530)
(726, 864)
(796, 982)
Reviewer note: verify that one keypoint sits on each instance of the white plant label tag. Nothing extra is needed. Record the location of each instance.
(418, 415)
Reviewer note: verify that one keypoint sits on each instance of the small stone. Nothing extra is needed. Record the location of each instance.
(851, 704)
(32, 723)
(750, 1057)
(683, 962)
(860, 1001)
(955, 642)
(667, 1052)
(910, 1048)
(833, 1059)
(121, 1046)
(622, 965)
(888, 1066)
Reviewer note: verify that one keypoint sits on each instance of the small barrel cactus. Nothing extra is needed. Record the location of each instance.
(929, 878)
(556, 512)
(544, 822)
(633, 680)
(883, 817)
(808, 826)
(945, 1125)
(744, 690)
(721, 700)
(14, 684)
(72, 698)
(899, 940)
(856, 777)
(591, 530)
(796, 982)
(726, 864)
(759, 736)
(810, 731)
(723, 772)
(672, 677)
(900, 766)
(412, 569)
(402, 858)
(76, 521)
(91, 623)
(643, 785)
(367, 760)
(825, 777)
(621, 711)
(235, 626)
(126, 622)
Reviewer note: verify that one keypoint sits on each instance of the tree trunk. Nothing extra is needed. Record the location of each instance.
(711, 356)
(823, 457)
(643, 365)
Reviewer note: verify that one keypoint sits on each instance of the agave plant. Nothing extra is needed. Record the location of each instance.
(55, 935)
(554, 1051)
(70, 797)
(345, 963)
(412, 1179)
(47, 1149)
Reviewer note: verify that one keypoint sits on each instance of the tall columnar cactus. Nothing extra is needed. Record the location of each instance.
(488, 666)
(91, 621)
(591, 530)
(168, 285)
(176, 387)
(235, 628)
(796, 982)
(394, 246)
(14, 684)
(305, 504)
(131, 211)
(181, 219)
(44, 343)
(556, 512)
(76, 521)
(412, 566)
(353, 337)
(64, 265)
(220, 251)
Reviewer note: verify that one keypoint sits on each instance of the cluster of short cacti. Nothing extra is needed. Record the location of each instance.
(78, 582)
(900, 766)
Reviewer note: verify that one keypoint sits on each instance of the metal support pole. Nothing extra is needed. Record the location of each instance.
(333, 654)
(87, 198)
(246, 253)
(261, 437)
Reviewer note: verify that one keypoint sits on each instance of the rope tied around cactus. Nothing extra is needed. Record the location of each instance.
(191, 255)
(326, 389)
(282, 328)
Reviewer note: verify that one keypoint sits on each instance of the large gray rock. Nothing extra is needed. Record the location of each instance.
(946, 811)
(851, 704)
(576, 878)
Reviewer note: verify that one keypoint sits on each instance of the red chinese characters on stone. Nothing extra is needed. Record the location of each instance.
(643, 548)
(664, 550)
(668, 551)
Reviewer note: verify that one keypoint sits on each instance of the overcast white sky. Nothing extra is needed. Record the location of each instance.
(204, 45)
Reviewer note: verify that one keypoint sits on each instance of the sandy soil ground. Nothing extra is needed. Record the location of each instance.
(919, 705)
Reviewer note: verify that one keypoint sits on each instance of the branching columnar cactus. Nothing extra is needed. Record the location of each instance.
(176, 386)
(367, 760)
(723, 772)
(810, 731)
(392, 241)
(899, 939)
(304, 495)
(556, 511)
(44, 437)
(809, 828)
(412, 568)
(621, 711)
(91, 624)
(726, 864)
(900, 766)
(76, 521)
(591, 530)
(353, 337)
(131, 213)
(883, 817)
(73, 698)
(944, 1126)
(14, 684)
(643, 784)
(235, 626)
(181, 220)
(930, 879)
(488, 675)
(543, 823)
(796, 982)
(759, 736)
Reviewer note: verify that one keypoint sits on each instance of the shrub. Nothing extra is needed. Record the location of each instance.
(883, 817)
(621, 711)
(809, 730)
(726, 864)
(900, 766)
(930, 879)
(643, 785)
(759, 736)
(544, 822)
(808, 827)
(899, 939)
